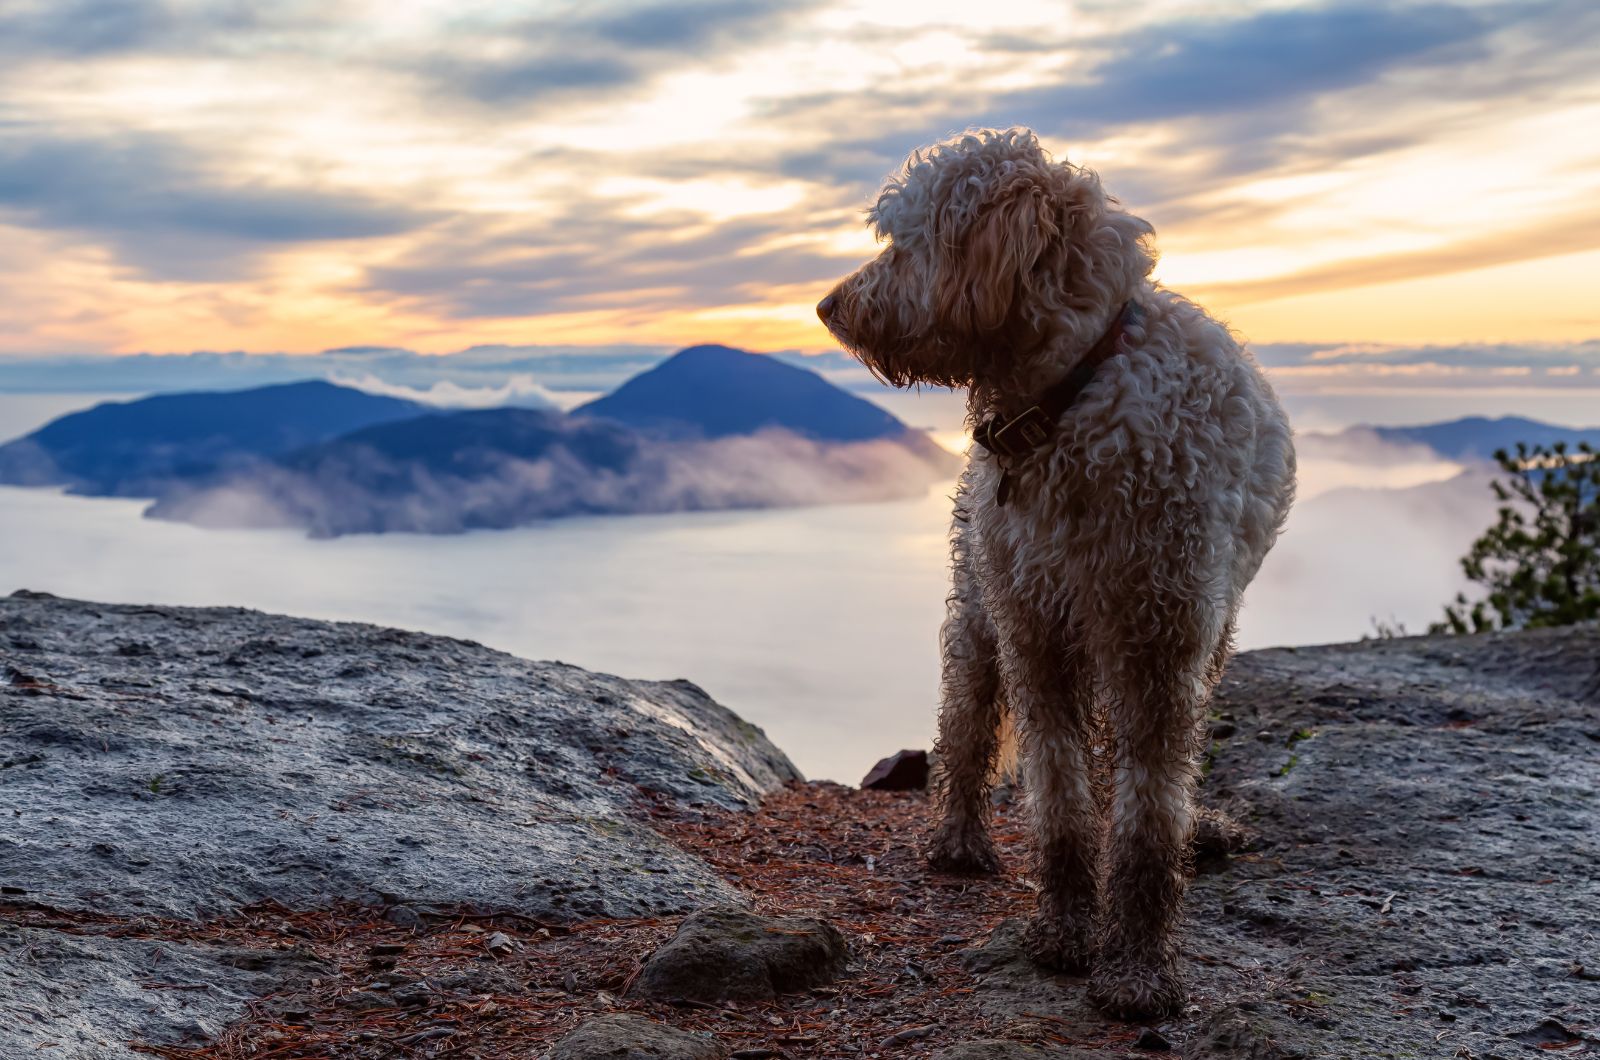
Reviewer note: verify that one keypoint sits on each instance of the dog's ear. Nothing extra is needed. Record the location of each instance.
(987, 268)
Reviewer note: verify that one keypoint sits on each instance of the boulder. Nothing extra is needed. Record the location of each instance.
(186, 763)
(727, 953)
(901, 771)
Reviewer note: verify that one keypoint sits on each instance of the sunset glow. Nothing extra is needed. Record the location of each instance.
(196, 175)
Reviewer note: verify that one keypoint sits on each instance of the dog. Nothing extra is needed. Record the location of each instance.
(1130, 471)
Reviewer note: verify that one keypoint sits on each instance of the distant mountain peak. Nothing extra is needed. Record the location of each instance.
(131, 448)
(710, 350)
(1477, 437)
(714, 391)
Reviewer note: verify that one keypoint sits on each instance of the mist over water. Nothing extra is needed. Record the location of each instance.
(819, 624)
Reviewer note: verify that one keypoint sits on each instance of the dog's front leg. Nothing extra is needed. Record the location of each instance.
(1052, 695)
(969, 728)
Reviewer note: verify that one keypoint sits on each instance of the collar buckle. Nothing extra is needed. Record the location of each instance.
(1018, 436)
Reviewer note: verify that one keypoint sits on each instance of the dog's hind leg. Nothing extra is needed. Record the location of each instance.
(1157, 696)
(970, 720)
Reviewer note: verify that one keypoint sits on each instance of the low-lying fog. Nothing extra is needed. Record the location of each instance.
(818, 624)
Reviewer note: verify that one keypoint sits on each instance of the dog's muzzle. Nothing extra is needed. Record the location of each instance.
(826, 307)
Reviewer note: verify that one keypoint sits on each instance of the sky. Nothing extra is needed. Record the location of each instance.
(1378, 194)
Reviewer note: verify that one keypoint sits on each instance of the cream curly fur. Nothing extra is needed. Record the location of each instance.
(1097, 604)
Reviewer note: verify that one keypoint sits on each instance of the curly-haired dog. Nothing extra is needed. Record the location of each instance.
(1132, 470)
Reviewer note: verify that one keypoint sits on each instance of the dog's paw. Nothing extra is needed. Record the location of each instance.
(969, 852)
(1216, 834)
(1060, 943)
(1135, 990)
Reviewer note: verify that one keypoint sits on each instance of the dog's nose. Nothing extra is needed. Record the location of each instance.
(825, 307)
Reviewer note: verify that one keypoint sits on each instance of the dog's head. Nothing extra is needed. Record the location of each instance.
(994, 250)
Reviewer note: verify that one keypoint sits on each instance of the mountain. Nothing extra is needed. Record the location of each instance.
(713, 428)
(717, 392)
(135, 448)
(1477, 437)
(470, 443)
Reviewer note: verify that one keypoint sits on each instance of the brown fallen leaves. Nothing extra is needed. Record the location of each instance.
(506, 987)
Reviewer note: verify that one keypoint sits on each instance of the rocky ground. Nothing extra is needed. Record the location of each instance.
(234, 835)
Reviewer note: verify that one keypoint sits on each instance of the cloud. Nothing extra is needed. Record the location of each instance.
(169, 210)
(1547, 239)
(1462, 356)
(490, 164)
(350, 488)
(642, 264)
(1359, 457)
(1264, 61)
(519, 389)
(1557, 369)
(36, 31)
(1148, 74)
(480, 370)
(87, 28)
(1289, 90)
(597, 48)
(1359, 554)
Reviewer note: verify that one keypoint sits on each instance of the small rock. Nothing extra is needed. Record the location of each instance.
(413, 996)
(403, 916)
(364, 1000)
(624, 1037)
(34, 682)
(909, 1034)
(1230, 1035)
(1547, 1034)
(726, 953)
(901, 771)
(1216, 836)
(499, 943)
(1152, 1040)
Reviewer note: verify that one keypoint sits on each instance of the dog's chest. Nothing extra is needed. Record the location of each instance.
(1044, 538)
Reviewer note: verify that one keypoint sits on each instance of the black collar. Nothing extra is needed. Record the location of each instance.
(1013, 438)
